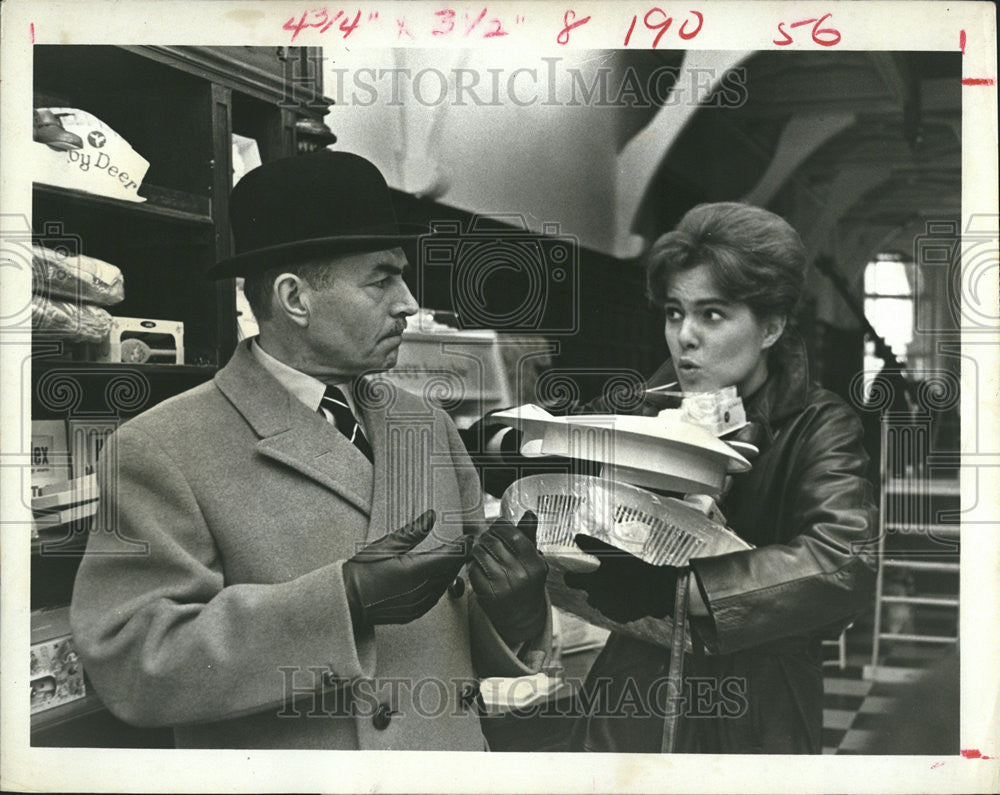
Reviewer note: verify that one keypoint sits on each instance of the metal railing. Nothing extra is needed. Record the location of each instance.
(907, 497)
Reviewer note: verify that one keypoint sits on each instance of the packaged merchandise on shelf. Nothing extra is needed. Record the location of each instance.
(47, 521)
(105, 164)
(246, 156)
(66, 493)
(55, 671)
(75, 276)
(67, 320)
(136, 340)
(86, 440)
(246, 323)
(48, 129)
(50, 462)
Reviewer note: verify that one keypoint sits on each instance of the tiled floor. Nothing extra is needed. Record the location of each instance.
(844, 702)
(866, 717)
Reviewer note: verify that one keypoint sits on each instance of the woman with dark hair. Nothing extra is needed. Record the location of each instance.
(729, 279)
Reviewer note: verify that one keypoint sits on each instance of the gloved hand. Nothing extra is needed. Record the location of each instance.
(388, 583)
(508, 575)
(625, 588)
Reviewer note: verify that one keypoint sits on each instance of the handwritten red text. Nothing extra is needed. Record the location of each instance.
(657, 19)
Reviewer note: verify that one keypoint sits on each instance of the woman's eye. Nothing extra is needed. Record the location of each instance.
(383, 283)
(714, 315)
(673, 315)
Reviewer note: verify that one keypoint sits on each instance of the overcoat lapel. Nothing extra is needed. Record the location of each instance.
(375, 420)
(291, 434)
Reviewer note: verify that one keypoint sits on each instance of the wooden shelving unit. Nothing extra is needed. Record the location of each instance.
(162, 204)
(178, 107)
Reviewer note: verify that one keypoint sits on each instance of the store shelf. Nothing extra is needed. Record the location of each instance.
(68, 540)
(204, 372)
(47, 719)
(108, 388)
(178, 108)
(260, 72)
(163, 204)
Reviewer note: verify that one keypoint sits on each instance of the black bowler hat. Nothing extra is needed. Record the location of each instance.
(289, 210)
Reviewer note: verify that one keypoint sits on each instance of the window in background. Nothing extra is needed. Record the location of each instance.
(889, 308)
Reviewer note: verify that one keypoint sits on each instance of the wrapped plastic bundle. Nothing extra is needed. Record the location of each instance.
(66, 320)
(659, 530)
(75, 277)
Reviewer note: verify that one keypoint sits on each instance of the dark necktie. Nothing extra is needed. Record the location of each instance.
(335, 402)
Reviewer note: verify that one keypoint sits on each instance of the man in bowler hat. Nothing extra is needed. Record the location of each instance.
(313, 570)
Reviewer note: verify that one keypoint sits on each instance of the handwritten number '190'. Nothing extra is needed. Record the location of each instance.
(663, 25)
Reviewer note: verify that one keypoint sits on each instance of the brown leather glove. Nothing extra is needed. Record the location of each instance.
(388, 583)
(508, 575)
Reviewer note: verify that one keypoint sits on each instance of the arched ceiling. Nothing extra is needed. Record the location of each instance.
(826, 139)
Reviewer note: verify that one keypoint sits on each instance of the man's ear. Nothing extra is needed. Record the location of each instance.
(290, 296)
(774, 326)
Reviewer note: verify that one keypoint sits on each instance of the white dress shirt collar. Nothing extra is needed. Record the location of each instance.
(303, 386)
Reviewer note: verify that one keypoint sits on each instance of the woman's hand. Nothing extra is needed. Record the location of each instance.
(625, 588)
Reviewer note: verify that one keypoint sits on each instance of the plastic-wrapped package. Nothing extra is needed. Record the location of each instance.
(663, 531)
(67, 320)
(75, 277)
(660, 530)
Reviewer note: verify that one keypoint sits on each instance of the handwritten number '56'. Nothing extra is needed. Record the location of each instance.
(825, 37)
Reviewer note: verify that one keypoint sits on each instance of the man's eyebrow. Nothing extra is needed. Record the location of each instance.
(393, 268)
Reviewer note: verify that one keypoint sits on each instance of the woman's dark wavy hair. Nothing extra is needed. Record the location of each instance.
(754, 255)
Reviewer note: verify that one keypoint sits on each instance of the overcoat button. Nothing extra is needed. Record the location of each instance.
(382, 717)
(457, 588)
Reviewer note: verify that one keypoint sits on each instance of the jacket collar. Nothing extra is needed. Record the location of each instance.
(787, 386)
(292, 434)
